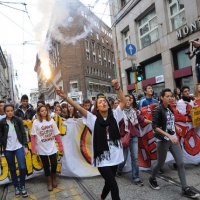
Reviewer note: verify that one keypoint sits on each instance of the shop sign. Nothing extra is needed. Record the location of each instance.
(188, 29)
(159, 79)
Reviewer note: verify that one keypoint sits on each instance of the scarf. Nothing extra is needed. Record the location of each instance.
(130, 114)
(102, 130)
(186, 98)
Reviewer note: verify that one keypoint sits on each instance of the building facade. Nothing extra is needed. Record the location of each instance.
(85, 65)
(161, 31)
(13, 79)
(4, 77)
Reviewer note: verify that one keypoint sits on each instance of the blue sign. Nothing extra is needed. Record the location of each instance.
(130, 49)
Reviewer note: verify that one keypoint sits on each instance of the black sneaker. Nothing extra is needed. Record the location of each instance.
(161, 171)
(187, 192)
(139, 183)
(17, 192)
(119, 174)
(24, 192)
(153, 184)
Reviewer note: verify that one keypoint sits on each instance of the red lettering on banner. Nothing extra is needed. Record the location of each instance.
(143, 143)
(188, 148)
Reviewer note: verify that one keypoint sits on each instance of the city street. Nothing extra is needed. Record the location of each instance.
(70, 188)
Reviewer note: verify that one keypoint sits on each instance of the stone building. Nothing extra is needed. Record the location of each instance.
(4, 77)
(160, 30)
(85, 67)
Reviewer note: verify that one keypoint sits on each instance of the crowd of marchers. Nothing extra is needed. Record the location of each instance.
(109, 121)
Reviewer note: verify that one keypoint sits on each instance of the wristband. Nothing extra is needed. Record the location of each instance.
(117, 88)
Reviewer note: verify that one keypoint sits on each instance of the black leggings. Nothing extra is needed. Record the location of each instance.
(108, 173)
(46, 165)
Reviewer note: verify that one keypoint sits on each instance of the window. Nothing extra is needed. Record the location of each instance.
(153, 69)
(107, 42)
(100, 61)
(87, 44)
(94, 58)
(54, 56)
(176, 13)
(109, 64)
(104, 53)
(113, 61)
(104, 63)
(99, 49)
(94, 71)
(91, 70)
(108, 54)
(130, 77)
(124, 2)
(85, 28)
(87, 49)
(88, 55)
(88, 69)
(102, 39)
(148, 29)
(180, 59)
(93, 46)
(97, 36)
(91, 32)
(73, 86)
(126, 35)
(97, 72)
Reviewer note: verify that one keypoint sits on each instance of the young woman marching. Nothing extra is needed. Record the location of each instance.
(43, 136)
(130, 124)
(165, 132)
(14, 142)
(107, 147)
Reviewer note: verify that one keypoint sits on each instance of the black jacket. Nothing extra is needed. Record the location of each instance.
(159, 120)
(19, 128)
(28, 115)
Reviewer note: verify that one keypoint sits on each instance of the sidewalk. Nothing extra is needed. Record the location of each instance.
(37, 189)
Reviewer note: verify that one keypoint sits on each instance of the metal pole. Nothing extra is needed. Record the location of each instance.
(136, 85)
(118, 59)
(134, 75)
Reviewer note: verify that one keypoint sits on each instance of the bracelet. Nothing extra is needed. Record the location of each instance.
(117, 88)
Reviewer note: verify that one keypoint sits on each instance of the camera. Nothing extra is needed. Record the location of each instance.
(171, 132)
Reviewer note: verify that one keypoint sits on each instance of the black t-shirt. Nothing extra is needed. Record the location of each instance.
(196, 52)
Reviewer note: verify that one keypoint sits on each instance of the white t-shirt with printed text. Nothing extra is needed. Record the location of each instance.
(12, 140)
(116, 153)
(45, 132)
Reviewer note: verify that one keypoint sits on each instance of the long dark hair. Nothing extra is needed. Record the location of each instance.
(96, 112)
(134, 104)
(177, 96)
(75, 112)
(162, 94)
(48, 118)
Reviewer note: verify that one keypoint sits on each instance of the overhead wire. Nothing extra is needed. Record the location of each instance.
(17, 25)
(12, 7)
(30, 19)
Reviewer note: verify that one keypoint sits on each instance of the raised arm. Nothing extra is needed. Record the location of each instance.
(122, 98)
(61, 93)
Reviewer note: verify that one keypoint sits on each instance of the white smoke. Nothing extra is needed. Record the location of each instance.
(55, 18)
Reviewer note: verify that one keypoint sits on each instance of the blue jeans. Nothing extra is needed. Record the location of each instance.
(134, 159)
(197, 70)
(10, 157)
